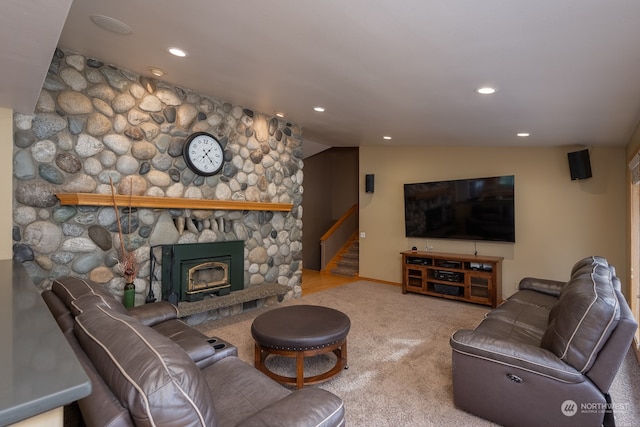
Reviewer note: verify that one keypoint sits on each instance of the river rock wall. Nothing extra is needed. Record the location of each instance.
(98, 127)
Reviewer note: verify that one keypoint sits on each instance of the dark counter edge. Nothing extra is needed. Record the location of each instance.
(35, 407)
(21, 284)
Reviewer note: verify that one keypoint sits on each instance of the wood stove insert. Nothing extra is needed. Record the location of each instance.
(193, 271)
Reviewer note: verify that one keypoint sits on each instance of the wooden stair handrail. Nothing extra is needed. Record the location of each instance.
(353, 209)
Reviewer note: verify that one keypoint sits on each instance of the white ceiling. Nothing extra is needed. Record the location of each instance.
(567, 71)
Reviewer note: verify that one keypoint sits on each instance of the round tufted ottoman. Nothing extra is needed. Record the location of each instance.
(301, 331)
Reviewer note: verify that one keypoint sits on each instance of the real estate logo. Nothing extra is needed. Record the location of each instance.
(569, 408)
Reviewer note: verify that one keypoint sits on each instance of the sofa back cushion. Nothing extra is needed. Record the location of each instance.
(584, 317)
(59, 310)
(70, 288)
(149, 374)
(586, 265)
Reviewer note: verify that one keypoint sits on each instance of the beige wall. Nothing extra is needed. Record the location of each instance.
(6, 180)
(330, 189)
(558, 221)
(634, 143)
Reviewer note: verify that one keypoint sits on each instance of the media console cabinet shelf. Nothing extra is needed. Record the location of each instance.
(471, 278)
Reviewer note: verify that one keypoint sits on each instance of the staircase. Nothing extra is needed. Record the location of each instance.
(348, 260)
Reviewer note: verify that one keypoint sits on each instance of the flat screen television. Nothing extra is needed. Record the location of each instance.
(465, 209)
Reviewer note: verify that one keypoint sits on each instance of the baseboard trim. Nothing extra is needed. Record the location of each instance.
(385, 282)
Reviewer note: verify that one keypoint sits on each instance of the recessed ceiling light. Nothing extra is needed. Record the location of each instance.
(110, 24)
(523, 134)
(177, 52)
(486, 90)
(318, 109)
(281, 115)
(156, 71)
(386, 137)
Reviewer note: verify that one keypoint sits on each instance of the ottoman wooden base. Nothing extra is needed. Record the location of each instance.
(300, 331)
(339, 349)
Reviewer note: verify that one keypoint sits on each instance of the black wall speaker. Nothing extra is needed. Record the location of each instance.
(579, 164)
(368, 183)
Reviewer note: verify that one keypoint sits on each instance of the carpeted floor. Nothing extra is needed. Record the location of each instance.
(399, 357)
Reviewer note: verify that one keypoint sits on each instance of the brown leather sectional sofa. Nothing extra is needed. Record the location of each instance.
(548, 355)
(148, 368)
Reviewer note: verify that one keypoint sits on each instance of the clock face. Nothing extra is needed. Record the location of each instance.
(203, 154)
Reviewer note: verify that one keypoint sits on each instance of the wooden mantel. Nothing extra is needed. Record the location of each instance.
(93, 199)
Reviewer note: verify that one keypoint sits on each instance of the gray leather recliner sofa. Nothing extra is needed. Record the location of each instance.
(547, 356)
(148, 368)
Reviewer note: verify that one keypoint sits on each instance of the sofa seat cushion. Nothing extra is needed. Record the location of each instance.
(239, 390)
(510, 345)
(498, 328)
(189, 339)
(586, 313)
(305, 407)
(149, 374)
(525, 310)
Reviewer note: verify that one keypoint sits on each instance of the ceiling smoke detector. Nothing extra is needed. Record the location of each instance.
(110, 24)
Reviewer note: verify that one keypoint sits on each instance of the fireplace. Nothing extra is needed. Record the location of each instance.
(206, 276)
(194, 271)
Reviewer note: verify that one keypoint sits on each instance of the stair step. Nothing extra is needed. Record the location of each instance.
(349, 263)
(344, 272)
(344, 266)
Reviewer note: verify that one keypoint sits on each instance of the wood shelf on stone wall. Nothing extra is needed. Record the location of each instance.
(93, 199)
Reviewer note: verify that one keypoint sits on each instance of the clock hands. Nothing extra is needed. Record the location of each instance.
(206, 155)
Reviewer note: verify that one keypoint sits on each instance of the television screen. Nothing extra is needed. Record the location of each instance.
(466, 209)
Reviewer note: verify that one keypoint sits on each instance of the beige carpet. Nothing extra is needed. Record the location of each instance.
(399, 357)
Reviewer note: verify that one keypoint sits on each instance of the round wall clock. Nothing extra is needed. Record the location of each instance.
(203, 154)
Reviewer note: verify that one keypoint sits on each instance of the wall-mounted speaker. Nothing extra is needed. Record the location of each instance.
(579, 164)
(368, 183)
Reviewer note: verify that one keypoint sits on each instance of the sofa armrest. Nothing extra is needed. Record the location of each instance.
(154, 313)
(545, 286)
(513, 353)
(304, 407)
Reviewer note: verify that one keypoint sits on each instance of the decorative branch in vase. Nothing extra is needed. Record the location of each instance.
(127, 261)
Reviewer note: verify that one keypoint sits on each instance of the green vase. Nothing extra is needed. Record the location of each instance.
(129, 295)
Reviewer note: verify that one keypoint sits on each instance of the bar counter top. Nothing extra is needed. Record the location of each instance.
(38, 369)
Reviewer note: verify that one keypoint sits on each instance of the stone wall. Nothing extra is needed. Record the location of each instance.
(95, 124)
